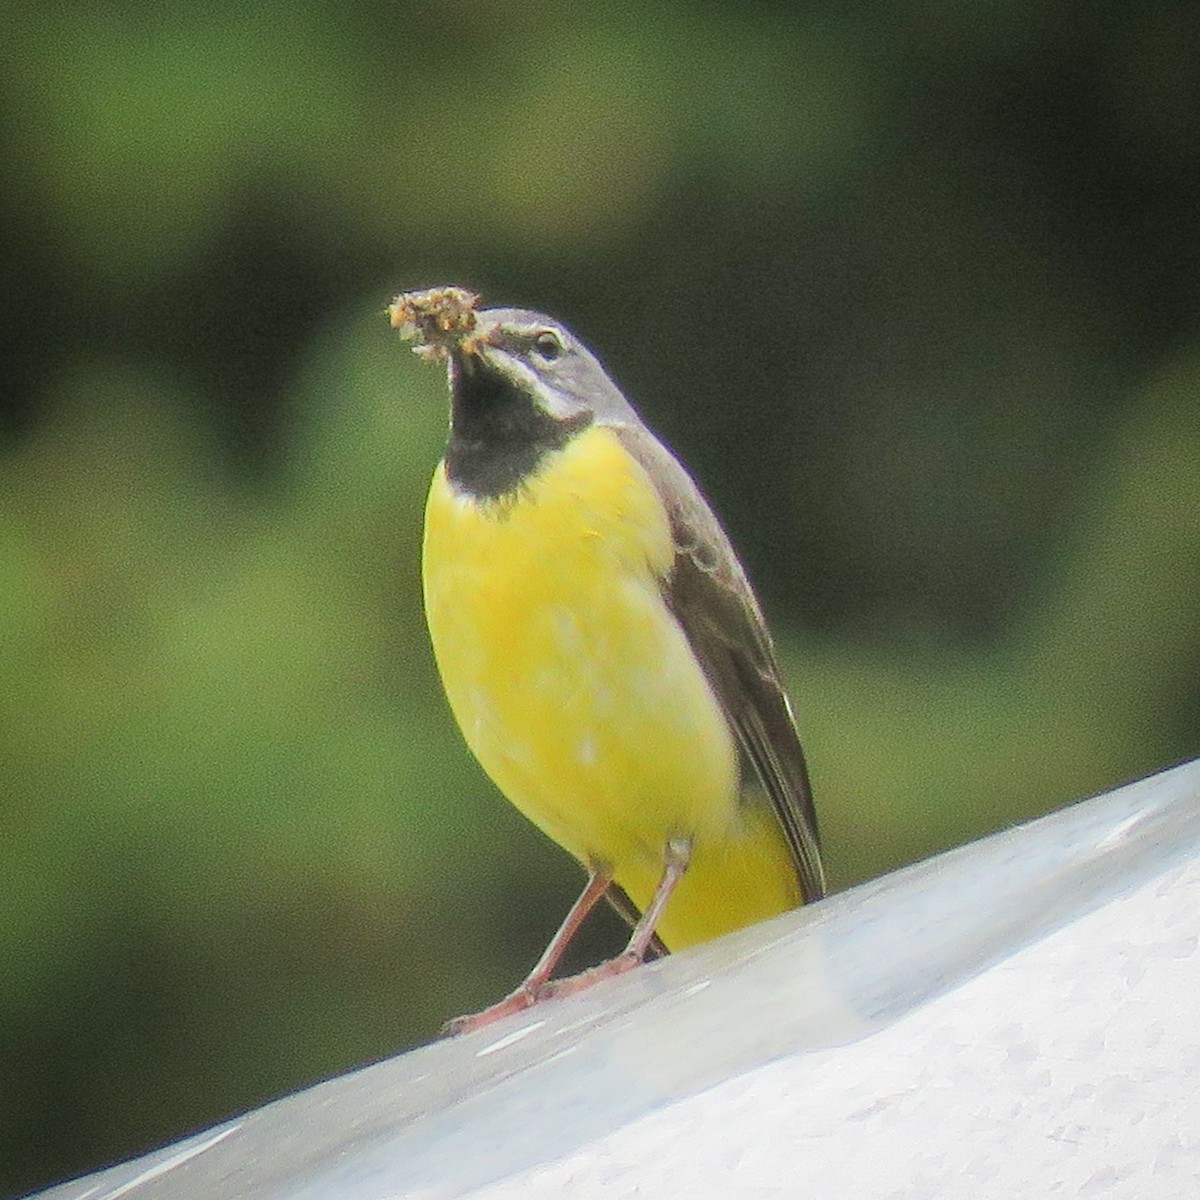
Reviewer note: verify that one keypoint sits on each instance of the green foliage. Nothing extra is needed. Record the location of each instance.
(912, 290)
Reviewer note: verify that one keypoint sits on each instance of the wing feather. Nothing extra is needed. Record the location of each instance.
(709, 594)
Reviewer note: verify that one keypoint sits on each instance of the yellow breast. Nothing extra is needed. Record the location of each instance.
(576, 688)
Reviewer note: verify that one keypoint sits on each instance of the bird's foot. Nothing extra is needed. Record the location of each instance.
(524, 997)
(527, 995)
(558, 988)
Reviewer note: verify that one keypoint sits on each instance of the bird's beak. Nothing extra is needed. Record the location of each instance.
(474, 346)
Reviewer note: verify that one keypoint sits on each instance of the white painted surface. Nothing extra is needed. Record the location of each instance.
(1019, 1018)
(1072, 1069)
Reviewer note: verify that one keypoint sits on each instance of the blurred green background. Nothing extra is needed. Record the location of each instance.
(912, 287)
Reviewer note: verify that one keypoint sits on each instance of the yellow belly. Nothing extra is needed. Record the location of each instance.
(577, 690)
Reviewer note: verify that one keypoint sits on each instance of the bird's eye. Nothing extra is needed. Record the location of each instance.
(547, 345)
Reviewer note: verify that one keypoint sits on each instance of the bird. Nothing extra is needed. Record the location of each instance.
(600, 646)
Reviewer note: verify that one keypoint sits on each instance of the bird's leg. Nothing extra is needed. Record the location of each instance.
(676, 859)
(531, 989)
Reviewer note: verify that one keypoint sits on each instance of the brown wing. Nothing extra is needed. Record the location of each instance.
(711, 598)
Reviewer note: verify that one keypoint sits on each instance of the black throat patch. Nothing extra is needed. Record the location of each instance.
(498, 434)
